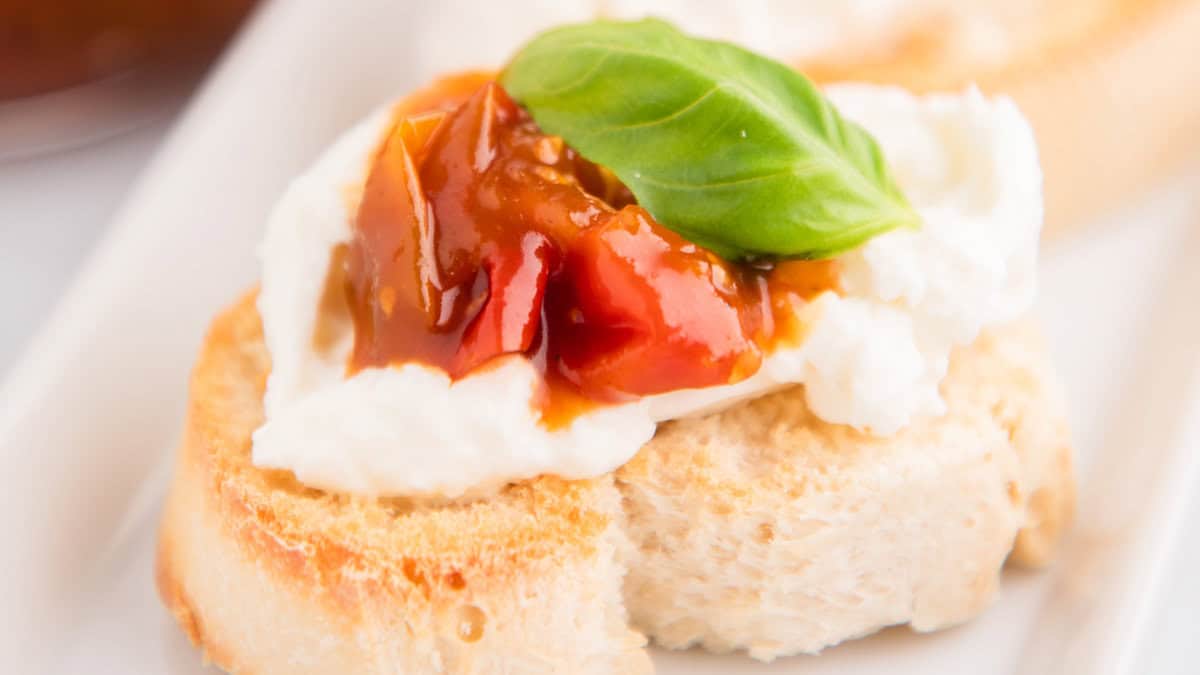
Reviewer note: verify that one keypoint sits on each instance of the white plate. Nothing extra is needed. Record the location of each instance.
(86, 417)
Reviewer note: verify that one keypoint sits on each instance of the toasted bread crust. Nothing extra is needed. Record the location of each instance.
(1109, 91)
(268, 576)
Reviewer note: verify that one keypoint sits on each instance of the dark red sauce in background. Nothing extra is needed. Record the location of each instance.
(477, 235)
(51, 44)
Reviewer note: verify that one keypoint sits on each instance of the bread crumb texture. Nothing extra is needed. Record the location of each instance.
(765, 529)
(759, 528)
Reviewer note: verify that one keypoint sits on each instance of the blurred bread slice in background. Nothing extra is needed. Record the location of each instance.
(1112, 87)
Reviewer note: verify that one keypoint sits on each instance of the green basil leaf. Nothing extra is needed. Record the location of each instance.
(734, 151)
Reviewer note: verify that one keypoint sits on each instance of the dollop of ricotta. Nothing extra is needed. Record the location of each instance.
(872, 358)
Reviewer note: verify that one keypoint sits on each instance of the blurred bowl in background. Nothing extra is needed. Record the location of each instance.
(77, 70)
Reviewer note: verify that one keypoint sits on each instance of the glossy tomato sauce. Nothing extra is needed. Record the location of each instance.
(477, 235)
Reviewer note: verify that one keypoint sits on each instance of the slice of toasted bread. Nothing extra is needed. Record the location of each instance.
(1110, 87)
(760, 527)
(764, 528)
(270, 577)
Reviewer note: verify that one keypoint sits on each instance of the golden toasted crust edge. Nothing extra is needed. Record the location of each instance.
(249, 558)
(267, 576)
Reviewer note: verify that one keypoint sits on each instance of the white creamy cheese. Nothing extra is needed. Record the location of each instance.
(786, 29)
(974, 31)
(982, 32)
(873, 357)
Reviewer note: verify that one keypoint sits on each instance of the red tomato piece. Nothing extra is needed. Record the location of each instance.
(509, 320)
(640, 311)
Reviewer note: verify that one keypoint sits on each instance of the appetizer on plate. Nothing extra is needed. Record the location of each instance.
(642, 337)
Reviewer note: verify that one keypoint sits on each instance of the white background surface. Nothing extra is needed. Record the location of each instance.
(52, 209)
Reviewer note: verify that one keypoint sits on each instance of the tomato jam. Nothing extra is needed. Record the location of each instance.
(478, 235)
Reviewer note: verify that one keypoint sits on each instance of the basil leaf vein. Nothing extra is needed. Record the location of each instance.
(731, 149)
